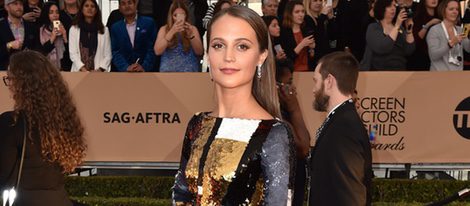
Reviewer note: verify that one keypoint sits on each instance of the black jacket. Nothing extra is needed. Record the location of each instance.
(349, 30)
(31, 41)
(42, 182)
(320, 33)
(341, 161)
(288, 42)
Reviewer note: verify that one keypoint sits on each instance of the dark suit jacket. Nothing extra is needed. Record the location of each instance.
(31, 41)
(123, 52)
(320, 33)
(348, 28)
(341, 162)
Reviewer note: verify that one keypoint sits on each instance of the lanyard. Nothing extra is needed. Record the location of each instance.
(445, 31)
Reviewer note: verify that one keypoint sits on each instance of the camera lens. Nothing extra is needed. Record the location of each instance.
(409, 12)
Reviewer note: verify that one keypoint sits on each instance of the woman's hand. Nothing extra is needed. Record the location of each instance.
(189, 30)
(63, 32)
(54, 34)
(308, 41)
(179, 26)
(456, 39)
(327, 10)
(312, 45)
(433, 22)
(98, 70)
(37, 12)
(401, 17)
(83, 69)
(280, 55)
(288, 96)
(409, 25)
(30, 16)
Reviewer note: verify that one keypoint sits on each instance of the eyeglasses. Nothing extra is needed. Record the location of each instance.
(6, 80)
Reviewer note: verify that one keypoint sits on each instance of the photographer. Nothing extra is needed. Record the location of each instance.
(52, 34)
(446, 40)
(297, 39)
(32, 11)
(388, 41)
(178, 42)
(410, 5)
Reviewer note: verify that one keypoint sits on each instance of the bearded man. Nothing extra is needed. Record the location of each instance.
(340, 164)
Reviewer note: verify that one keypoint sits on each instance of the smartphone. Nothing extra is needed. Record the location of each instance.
(180, 17)
(466, 29)
(329, 2)
(56, 24)
(278, 48)
(310, 33)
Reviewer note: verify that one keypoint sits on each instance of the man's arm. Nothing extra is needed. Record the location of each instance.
(347, 161)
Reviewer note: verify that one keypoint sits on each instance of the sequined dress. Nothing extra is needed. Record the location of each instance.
(177, 60)
(230, 161)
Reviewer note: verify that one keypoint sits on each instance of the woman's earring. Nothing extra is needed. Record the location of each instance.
(258, 71)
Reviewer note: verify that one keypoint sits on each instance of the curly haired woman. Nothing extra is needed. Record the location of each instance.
(54, 133)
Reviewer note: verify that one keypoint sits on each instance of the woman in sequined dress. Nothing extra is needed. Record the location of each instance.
(240, 153)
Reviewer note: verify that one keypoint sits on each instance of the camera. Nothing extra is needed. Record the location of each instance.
(408, 11)
(456, 60)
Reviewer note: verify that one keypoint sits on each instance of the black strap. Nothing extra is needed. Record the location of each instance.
(22, 153)
(205, 151)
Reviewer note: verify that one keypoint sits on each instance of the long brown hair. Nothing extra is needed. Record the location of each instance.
(263, 89)
(97, 21)
(441, 9)
(288, 19)
(41, 94)
(169, 23)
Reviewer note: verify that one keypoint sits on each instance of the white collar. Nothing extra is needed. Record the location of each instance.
(336, 107)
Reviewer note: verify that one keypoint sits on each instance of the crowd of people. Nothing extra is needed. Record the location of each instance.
(167, 35)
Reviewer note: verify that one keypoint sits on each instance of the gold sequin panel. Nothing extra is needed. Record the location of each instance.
(219, 170)
(192, 167)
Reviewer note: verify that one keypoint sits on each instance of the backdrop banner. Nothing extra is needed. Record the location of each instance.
(412, 117)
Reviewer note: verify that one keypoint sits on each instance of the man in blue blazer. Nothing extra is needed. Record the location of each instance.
(132, 40)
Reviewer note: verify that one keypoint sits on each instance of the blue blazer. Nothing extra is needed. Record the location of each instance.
(123, 53)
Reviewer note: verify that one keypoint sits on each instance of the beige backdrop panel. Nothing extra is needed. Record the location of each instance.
(422, 130)
(124, 113)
